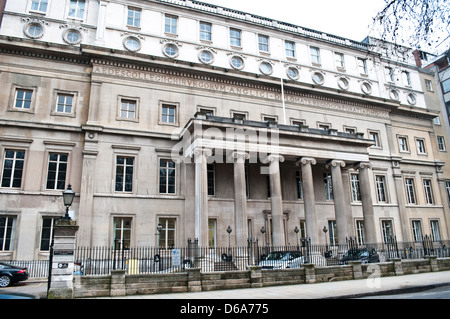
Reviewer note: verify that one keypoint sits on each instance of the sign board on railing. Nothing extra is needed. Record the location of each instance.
(176, 257)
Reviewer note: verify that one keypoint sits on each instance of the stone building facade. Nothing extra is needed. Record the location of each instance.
(197, 117)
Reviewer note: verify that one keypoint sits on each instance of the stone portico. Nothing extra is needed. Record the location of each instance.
(211, 139)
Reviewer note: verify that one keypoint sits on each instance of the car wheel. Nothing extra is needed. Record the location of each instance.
(5, 281)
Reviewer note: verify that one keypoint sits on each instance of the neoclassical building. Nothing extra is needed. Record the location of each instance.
(198, 118)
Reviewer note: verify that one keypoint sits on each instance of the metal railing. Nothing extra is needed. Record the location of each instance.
(145, 260)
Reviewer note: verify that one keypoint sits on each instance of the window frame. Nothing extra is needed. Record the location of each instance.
(263, 43)
(410, 189)
(421, 146)
(8, 234)
(235, 38)
(314, 55)
(170, 24)
(168, 105)
(290, 52)
(126, 99)
(381, 188)
(39, 5)
(125, 225)
(428, 191)
(76, 15)
(135, 17)
(166, 168)
(205, 34)
(58, 162)
(355, 187)
(406, 144)
(13, 167)
(123, 175)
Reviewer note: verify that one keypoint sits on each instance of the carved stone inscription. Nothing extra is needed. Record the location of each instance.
(230, 87)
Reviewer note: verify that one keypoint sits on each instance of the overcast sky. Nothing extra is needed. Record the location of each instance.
(350, 19)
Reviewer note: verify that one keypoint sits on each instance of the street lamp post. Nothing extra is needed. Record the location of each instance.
(68, 196)
(296, 230)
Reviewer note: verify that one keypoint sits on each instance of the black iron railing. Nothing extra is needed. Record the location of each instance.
(144, 260)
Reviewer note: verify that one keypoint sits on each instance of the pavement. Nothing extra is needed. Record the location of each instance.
(326, 290)
(344, 289)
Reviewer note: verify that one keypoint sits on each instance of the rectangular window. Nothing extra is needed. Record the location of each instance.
(134, 17)
(435, 233)
(128, 109)
(441, 143)
(315, 55)
(403, 144)
(428, 191)
(39, 5)
(235, 37)
(57, 170)
(410, 191)
(446, 86)
(13, 166)
(211, 179)
(263, 43)
(124, 174)
(332, 232)
(171, 24)
(298, 178)
(420, 146)
(76, 9)
(290, 49)
(64, 103)
(23, 99)
(166, 177)
(406, 78)
(168, 114)
(205, 31)
(167, 234)
(122, 232)
(212, 229)
(362, 66)
(375, 136)
(381, 188)
(429, 85)
(328, 183)
(47, 232)
(339, 58)
(360, 232)
(386, 226)
(356, 195)
(389, 74)
(6, 232)
(447, 188)
(417, 230)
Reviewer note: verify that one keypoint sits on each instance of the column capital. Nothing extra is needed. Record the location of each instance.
(239, 156)
(362, 165)
(306, 160)
(335, 163)
(201, 151)
(272, 158)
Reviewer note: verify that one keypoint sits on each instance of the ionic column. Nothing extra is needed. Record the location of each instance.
(201, 195)
(339, 200)
(276, 200)
(309, 198)
(366, 199)
(240, 198)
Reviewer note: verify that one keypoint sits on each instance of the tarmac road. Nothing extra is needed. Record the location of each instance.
(37, 288)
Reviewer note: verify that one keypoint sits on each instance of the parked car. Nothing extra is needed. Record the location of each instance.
(360, 254)
(10, 274)
(282, 260)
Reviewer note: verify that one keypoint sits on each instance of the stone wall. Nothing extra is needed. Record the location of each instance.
(120, 284)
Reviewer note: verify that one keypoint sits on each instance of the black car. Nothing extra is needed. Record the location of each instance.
(10, 274)
(360, 254)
